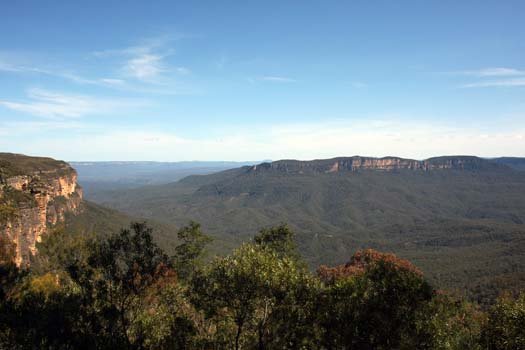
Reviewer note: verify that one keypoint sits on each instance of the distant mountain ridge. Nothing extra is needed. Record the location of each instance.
(516, 163)
(357, 163)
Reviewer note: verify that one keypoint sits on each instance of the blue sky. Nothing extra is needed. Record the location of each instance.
(246, 80)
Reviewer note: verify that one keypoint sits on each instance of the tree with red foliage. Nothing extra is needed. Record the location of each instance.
(372, 302)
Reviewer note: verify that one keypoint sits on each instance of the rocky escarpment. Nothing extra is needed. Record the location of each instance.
(35, 195)
(358, 163)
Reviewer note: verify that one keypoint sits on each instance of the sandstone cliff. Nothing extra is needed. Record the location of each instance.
(358, 163)
(35, 194)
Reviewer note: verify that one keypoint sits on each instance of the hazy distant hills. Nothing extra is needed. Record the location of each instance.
(460, 218)
(97, 178)
(513, 162)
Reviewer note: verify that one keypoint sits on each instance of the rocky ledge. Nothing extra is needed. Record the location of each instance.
(35, 195)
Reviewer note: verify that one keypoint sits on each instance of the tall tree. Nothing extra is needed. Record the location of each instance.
(118, 272)
(505, 329)
(448, 323)
(189, 254)
(248, 288)
(372, 302)
(280, 239)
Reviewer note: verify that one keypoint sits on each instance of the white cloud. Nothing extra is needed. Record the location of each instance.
(145, 67)
(182, 70)
(58, 105)
(145, 64)
(495, 77)
(147, 61)
(108, 82)
(221, 62)
(277, 79)
(114, 82)
(495, 72)
(6, 67)
(25, 127)
(15, 68)
(358, 85)
(405, 138)
(143, 46)
(127, 51)
(496, 83)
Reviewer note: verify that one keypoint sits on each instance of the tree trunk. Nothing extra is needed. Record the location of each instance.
(238, 336)
(261, 339)
(262, 325)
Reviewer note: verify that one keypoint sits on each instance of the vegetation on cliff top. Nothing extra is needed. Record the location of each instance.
(11, 199)
(123, 291)
(17, 164)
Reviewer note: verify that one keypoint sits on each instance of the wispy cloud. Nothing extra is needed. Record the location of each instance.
(113, 82)
(142, 69)
(221, 62)
(126, 51)
(497, 83)
(59, 106)
(42, 125)
(145, 67)
(7, 67)
(358, 84)
(406, 138)
(149, 67)
(494, 77)
(494, 72)
(73, 77)
(182, 70)
(14, 68)
(144, 46)
(144, 63)
(147, 61)
(152, 68)
(277, 79)
(105, 82)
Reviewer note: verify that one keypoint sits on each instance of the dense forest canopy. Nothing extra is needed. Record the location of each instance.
(123, 291)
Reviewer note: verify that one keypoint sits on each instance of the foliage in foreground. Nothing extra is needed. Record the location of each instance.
(124, 292)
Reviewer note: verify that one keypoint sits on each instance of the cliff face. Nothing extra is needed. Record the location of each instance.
(35, 194)
(368, 163)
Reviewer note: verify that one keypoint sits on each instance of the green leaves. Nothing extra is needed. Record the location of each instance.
(189, 254)
(250, 287)
(280, 239)
(372, 301)
(114, 279)
(122, 292)
(505, 329)
(449, 323)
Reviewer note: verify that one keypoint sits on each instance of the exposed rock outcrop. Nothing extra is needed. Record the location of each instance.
(358, 163)
(35, 195)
